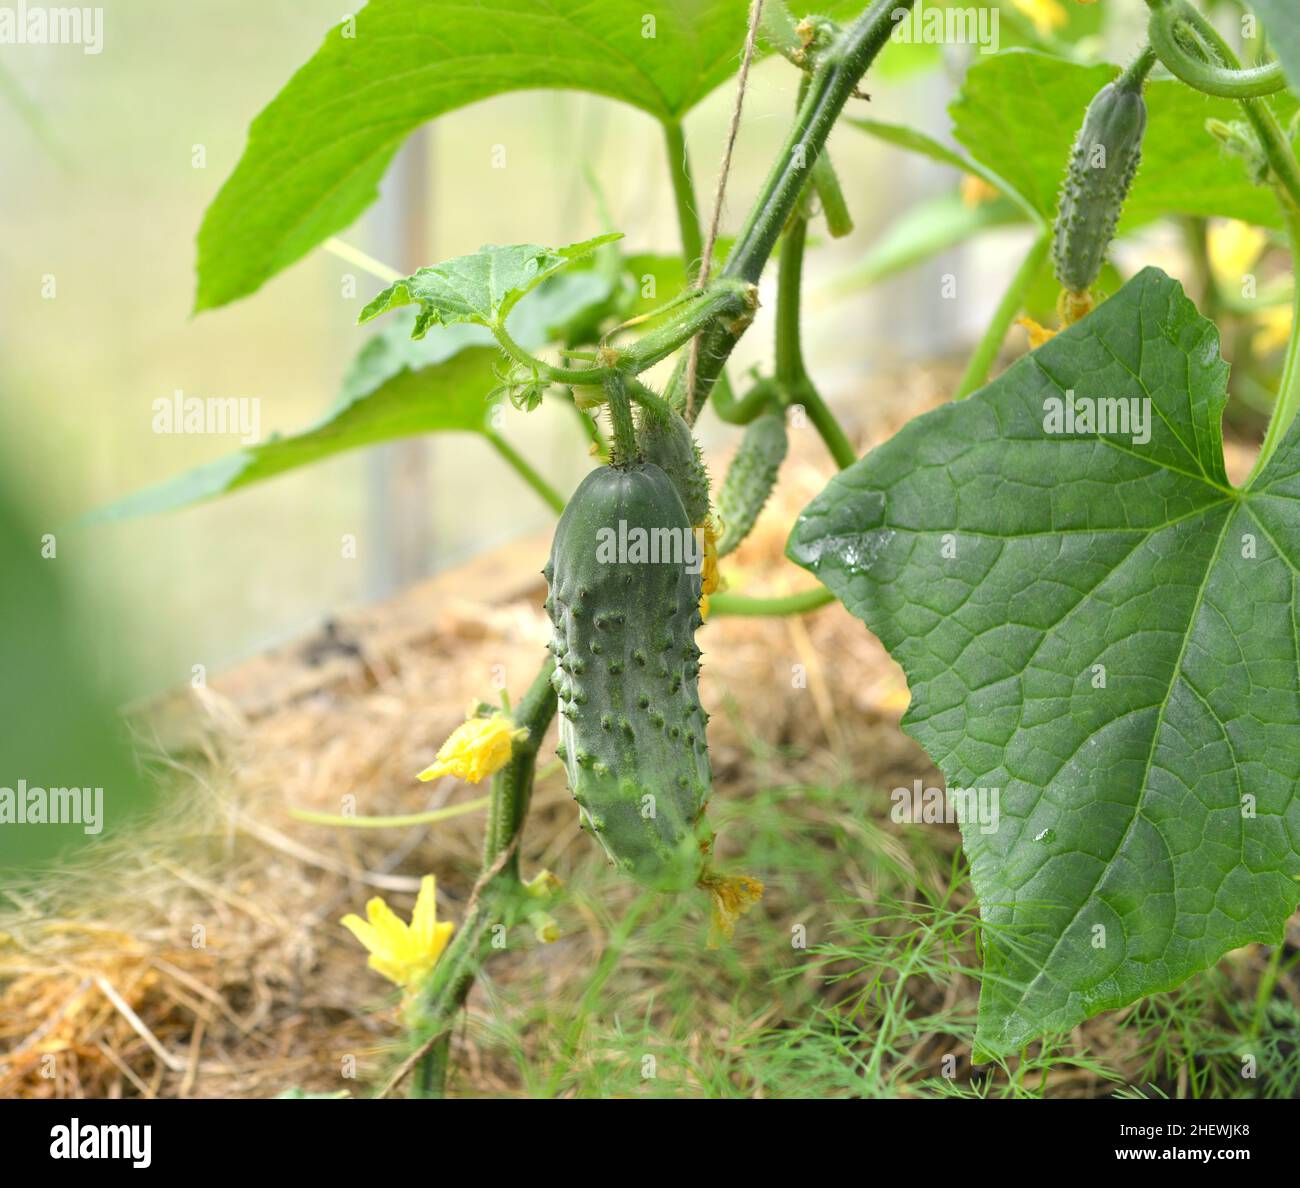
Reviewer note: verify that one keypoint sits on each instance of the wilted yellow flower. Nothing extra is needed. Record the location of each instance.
(732, 898)
(1037, 334)
(476, 749)
(711, 581)
(1273, 329)
(975, 191)
(1046, 14)
(404, 953)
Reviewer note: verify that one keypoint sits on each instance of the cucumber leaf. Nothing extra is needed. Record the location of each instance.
(481, 288)
(1106, 632)
(925, 145)
(395, 388)
(316, 154)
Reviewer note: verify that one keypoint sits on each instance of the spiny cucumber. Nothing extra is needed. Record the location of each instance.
(750, 478)
(1102, 166)
(667, 441)
(624, 578)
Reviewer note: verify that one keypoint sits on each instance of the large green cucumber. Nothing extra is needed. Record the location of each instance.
(1102, 166)
(750, 478)
(667, 441)
(632, 730)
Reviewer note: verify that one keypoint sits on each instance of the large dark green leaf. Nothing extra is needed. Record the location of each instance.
(1108, 634)
(316, 154)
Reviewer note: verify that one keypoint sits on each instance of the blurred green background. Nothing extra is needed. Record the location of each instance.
(111, 160)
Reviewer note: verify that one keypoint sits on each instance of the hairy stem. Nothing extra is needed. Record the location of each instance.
(839, 69)
(789, 284)
(620, 416)
(495, 893)
(1273, 140)
(1286, 174)
(792, 378)
(1210, 78)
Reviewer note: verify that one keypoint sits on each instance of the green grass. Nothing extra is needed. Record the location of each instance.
(857, 976)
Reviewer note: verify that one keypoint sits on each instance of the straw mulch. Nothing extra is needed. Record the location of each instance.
(202, 956)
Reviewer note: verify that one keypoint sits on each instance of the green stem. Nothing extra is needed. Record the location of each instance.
(986, 353)
(1288, 393)
(648, 399)
(826, 182)
(429, 818)
(739, 412)
(1264, 991)
(620, 416)
(573, 376)
(1275, 143)
(497, 890)
(1227, 82)
(792, 379)
(548, 494)
(789, 364)
(839, 70)
(688, 222)
(512, 786)
(790, 604)
(688, 225)
(1286, 173)
(1133, 78)
(841, 448)
(723, 300)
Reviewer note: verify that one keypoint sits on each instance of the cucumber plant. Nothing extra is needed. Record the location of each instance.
(1095, 623)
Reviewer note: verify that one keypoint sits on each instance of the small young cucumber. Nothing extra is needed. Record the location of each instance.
(667, 442)
(750, 478)
(1102, 166)
(624, 578)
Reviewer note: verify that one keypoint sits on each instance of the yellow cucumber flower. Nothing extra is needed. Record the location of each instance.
(1037, 334)
(1045, 14)
(975, 191)
(477, 748)
(711, 581)
(403, 953)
